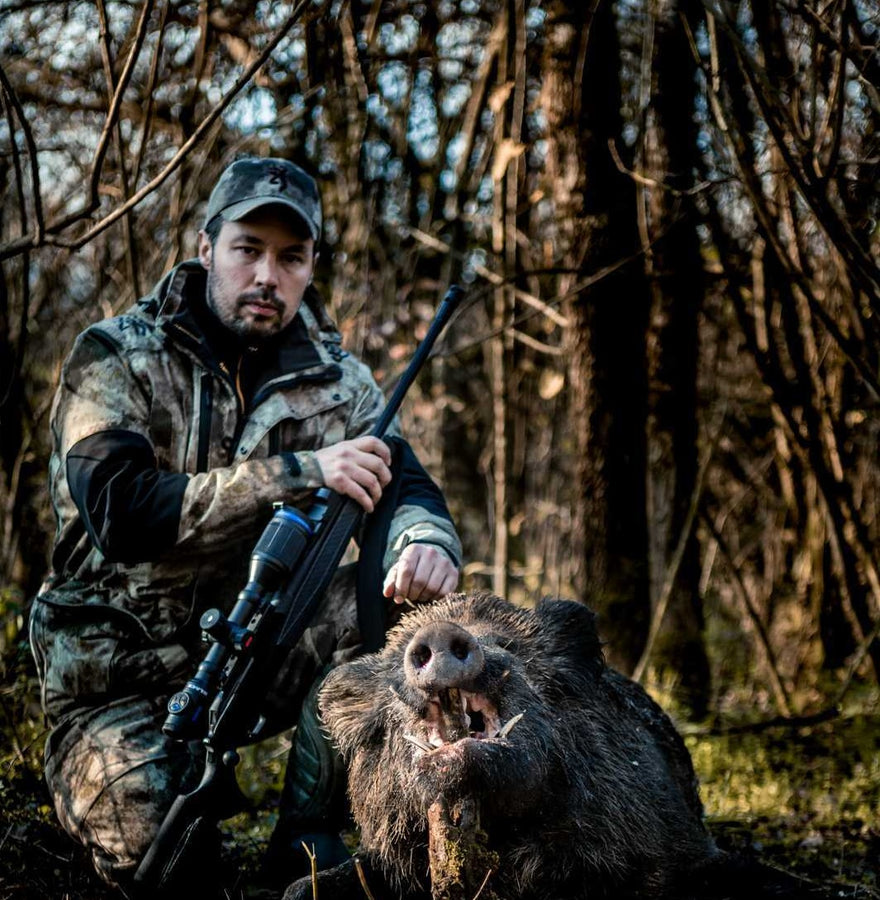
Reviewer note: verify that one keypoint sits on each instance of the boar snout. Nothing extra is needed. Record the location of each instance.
(442, 655)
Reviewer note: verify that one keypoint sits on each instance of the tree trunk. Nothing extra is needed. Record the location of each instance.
(607, 372)
(674, 268)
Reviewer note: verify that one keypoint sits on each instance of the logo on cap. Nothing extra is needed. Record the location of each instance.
(278, 177)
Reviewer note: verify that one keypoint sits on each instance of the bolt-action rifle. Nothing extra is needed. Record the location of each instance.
(291, 567)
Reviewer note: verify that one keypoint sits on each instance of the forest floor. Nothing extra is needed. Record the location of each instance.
(806, 800)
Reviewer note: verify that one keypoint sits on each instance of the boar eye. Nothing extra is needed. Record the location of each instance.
(509, 645)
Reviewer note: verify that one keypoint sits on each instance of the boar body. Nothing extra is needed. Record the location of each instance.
(582, 785)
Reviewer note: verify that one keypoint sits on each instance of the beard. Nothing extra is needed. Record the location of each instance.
(233, 311)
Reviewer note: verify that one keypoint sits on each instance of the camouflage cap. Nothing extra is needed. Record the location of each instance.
(253, 182)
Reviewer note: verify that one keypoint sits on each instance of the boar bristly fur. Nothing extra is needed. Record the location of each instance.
(589, 794)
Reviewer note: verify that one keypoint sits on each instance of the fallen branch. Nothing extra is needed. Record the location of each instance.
(716, 730)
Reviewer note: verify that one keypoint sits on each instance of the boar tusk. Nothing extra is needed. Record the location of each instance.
(508, 727)
(418, 742)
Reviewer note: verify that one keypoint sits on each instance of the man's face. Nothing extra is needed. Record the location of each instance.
(258, 270)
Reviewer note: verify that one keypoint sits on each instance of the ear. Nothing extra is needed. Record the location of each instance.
(570, 628)
(350, 703)
(205, 250)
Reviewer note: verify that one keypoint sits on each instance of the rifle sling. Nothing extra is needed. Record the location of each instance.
(370, 600)
(313, 576)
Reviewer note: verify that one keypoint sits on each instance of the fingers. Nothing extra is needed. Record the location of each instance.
(423, 573)
(374, 446)
(359, 469)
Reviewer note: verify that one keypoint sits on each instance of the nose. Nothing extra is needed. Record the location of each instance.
(442, 655)
(266, 270)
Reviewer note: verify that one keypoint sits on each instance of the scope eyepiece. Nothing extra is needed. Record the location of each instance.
(280, 546)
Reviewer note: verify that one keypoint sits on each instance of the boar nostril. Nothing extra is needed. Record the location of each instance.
(460, 649)
(421, 655)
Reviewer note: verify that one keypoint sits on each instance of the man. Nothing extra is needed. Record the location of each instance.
(176, 426)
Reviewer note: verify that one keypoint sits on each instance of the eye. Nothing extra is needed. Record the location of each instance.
(509, 645)
(293, 257)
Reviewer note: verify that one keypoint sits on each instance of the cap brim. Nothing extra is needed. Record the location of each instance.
(238, 211)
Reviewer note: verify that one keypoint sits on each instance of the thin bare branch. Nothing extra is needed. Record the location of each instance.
(11, 97)
(766, 225)
(675, 561)
(8, 390)
(116, 92)
(786, 135)
(14, 248)
(148, 92)
(131, 255)
(779, 692)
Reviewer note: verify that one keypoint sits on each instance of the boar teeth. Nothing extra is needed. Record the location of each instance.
(453, 708)
(508, 727)
(453, 714)
(418, 742)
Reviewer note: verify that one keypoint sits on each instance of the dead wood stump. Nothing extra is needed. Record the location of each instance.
(461, 862)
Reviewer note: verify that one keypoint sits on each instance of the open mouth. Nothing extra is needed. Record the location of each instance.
(454, 715)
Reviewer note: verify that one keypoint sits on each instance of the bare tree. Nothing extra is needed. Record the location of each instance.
(662, 394)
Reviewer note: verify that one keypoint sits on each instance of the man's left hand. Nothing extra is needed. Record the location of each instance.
(421, 574)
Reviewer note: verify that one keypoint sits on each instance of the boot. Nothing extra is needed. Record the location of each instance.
(313, 808)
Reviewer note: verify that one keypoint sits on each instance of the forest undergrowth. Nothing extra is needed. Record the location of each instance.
(804, 799)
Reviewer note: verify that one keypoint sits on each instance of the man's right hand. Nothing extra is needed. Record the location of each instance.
(359, 469)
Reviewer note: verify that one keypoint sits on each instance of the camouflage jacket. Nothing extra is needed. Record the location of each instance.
(142, 564)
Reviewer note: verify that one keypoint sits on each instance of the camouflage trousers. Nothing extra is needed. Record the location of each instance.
(111, 772)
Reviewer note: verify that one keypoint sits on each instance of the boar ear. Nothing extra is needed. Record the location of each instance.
(349, 703)
(571, 629)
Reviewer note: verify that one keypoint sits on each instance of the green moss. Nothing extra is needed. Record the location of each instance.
(808, 799)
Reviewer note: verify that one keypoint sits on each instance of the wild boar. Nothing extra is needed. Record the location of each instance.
(494, 740)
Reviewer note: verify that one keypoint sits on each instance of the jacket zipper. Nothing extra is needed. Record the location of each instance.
(239, 399)
(206, 405)
(238, 390)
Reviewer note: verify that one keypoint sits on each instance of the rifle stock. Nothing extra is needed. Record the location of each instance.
(217, 797)
(238, 668)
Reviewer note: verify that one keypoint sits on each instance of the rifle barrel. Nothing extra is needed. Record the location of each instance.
(447, 307)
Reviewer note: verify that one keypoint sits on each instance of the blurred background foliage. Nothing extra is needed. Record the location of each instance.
(662, 395)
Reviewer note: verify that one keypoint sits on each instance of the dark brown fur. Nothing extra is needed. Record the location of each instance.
(592, 793)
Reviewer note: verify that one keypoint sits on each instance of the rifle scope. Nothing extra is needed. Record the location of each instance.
(278, 550)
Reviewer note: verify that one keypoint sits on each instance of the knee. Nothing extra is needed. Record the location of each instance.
(112, 777)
